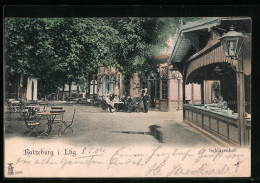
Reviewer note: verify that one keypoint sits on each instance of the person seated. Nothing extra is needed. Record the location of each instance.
(112, 97)
(110, 104)
(124, 99)
(134, 104)
(222, 103)
(215, 101)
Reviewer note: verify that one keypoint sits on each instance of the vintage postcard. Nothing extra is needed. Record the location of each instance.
(127, 97)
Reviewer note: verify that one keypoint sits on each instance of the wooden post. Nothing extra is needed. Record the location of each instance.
(241, 103)
(192, 93)
(178, 94)
(183, 96)
(202, 92)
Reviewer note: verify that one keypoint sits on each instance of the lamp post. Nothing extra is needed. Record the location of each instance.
(232, 43)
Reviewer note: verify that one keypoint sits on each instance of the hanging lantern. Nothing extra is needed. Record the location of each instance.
(217, 69)
(232, 43)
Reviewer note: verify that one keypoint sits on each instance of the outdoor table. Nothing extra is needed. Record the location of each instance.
(15, 101)
(50, 118)
(15, 105)
(117, 104)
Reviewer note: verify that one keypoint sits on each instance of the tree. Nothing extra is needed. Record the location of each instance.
(139, 40)
(28, 50)
(59, 51)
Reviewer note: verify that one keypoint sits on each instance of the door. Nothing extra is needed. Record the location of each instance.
(164, 89)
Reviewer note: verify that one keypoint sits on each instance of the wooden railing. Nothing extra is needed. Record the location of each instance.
(221, 126)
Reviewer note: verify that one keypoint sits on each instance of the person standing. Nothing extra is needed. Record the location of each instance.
(145, 98)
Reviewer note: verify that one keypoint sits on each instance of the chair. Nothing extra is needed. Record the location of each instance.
(58, 111)
(59, 120)
(43, 107)
(31, 125)
(68, 124)
(9, 110)
(24, 114)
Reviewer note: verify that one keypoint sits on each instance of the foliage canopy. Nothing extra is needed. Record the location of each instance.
(58, 51)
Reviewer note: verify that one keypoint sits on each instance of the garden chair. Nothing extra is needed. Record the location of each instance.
(68, 124)
(43, 107)
(9, 110)
(31, 125)
(23, 114)
(58, 120)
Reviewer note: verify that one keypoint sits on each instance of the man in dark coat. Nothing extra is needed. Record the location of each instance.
(145, 98)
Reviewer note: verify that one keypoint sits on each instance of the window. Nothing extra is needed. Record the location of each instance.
(164, 89)
(105, 85)
(101, 86)
(93, 87)
(164, 73)
(144, 85)
(112, 84)
(157, 89)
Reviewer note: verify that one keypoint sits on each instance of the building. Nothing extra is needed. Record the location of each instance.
(21, 88)
(200, 56)
(164, 85)
(109, 80)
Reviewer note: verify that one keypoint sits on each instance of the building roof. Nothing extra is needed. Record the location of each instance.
(183, 43)
(186, 35)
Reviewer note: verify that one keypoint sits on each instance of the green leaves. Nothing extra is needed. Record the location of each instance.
(63, 50)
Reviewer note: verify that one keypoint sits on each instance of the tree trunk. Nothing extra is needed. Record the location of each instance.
(87, 87)
(69, 89)
(63, 92)
(57, 94)
(18, 89)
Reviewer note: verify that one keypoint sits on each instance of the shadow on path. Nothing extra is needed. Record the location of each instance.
(153, 132)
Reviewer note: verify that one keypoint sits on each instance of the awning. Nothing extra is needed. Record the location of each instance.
(211, 54)
(192, 33)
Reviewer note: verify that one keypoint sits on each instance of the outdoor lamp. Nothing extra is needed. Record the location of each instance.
(232, 42)
(217, 69)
